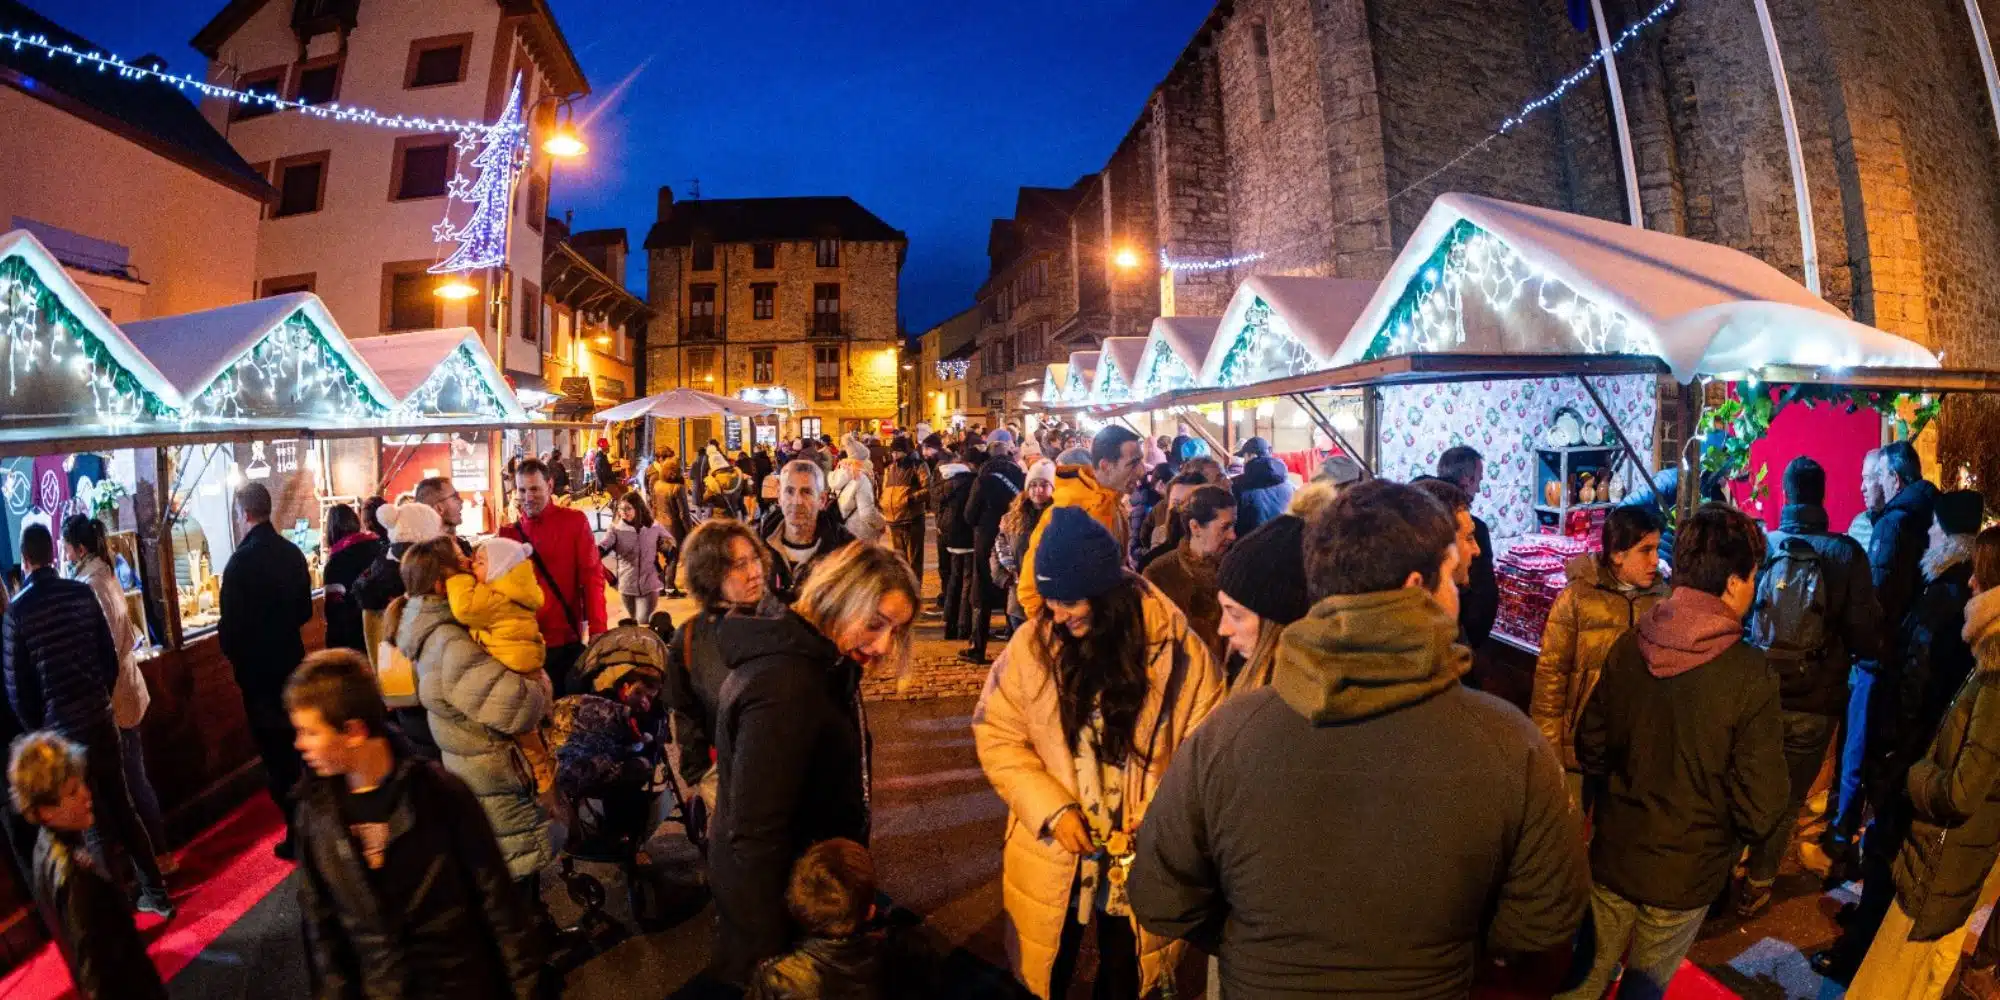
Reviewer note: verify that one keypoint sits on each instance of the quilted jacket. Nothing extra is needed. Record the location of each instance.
(1589, 616)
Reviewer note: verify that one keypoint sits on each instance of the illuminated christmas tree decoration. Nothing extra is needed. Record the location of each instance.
(54, 362)
(1472, 267)
(458, 387)
(292, 371)
(331, 111)
(482, 240)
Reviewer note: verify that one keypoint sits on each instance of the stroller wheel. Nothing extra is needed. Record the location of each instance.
(585, 890)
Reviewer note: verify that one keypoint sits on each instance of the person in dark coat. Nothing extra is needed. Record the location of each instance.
(792, 742)
(83, 908)
(402, 888)
(60, 667)
(727, 571)
(802, 531)
(1264, 489)
(1935, 657)
(999, 481)
(1685, 738)
(1954, 784)
(955, 535)
(607, 478)
(1812, 683)
(350, 551)
(1479, 606)
(905, 495)
(266, 600)
(1251, 847)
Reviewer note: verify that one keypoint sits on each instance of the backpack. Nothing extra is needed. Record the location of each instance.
(1788, 620)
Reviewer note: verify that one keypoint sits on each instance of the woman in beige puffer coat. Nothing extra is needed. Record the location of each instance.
(1018, 730)
(1606, 594)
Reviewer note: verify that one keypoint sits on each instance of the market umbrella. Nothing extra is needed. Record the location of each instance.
(678, 404)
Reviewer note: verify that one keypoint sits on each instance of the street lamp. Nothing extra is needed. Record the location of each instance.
(456, 288)
(1126, 258)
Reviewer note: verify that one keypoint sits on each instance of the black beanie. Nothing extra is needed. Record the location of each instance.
(1265, 571)
(1959, 512)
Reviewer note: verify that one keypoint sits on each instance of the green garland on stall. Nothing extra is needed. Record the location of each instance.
(56, 314)
(1744, 421)
(1424, 283)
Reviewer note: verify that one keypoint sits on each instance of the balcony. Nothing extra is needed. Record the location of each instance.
(829, 325)
(702, 328)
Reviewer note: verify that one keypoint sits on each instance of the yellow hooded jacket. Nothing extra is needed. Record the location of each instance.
(1076, 486)
(501, 615)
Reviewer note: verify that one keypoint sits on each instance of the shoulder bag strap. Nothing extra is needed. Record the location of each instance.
(542, 570)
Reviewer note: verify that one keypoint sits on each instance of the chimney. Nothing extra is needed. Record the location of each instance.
(666, 203)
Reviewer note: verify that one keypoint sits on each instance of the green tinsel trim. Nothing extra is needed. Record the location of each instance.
(1253, 336)
(1419, 290)
(54, 313)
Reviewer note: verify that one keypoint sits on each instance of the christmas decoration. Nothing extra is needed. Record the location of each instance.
(1430, 314)
(332, 111)
(1263, 349)
(53, 358)
(1161, 370)
(1111, 385)
(456, 388)
(1169, 264)
(1745, 417)
(953, 369)
(482, 240)
(294, 371)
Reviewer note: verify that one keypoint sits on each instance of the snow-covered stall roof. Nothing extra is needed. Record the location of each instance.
(1082, 375)
(1482, 276)
(437, 373)
(65, 358)
(282, 356)
(1176, 349)
(1053, 379)
(1118, 361)
(1278, 325)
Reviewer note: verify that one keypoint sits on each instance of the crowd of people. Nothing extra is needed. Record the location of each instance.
(1233, 708)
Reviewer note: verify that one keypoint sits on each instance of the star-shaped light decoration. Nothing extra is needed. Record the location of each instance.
(457, 187)
(443, 231)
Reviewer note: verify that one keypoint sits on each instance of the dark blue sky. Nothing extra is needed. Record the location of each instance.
(929, 112)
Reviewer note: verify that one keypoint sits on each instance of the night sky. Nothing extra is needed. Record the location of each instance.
(929, 112)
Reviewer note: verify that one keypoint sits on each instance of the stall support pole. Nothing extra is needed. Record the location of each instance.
(1689, 493)
(1985, 58)
(1631, 164)
(1808, 243)
(1228, 430)
(1623, 441)
(1320, 418)
(1371, 425)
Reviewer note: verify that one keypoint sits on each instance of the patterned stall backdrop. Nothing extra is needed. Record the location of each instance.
(1505, 420)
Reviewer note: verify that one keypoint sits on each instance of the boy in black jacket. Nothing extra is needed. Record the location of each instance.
(403, 888)
(831, 895)
(91, 921)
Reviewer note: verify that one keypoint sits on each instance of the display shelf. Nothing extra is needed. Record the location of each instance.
(1599, 505)
(1573, 449)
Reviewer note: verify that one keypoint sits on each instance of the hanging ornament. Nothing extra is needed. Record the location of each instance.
(482, 240)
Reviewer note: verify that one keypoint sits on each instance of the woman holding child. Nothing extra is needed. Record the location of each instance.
(479, 707)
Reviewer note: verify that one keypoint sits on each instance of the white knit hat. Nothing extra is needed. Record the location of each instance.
(411, 522)
(503, 554)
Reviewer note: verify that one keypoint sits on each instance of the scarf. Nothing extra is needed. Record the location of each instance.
(1686, 630)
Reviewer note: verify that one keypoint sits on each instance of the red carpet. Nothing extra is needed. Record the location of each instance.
(224, 872)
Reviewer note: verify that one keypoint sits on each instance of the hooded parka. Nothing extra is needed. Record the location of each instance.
(1017, 729)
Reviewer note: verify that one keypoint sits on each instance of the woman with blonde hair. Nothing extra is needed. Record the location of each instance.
(791, 739)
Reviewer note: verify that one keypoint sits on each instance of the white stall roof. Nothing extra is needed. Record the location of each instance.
(1175, 345)
(1053, 381)
(1313, 313)
(192, 349)
(1117, 366)
(405, 361)
(1082, 375)
(23, 244)
(1702, 308)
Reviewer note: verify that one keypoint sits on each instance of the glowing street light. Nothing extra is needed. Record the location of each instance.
(565, 144)
(1126, 258)
(457, 289)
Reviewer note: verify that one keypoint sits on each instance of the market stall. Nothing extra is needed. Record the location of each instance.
(685, 404)
(1117, 363)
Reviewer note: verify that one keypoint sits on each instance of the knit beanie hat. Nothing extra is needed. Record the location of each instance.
(1077, 558)
(1265, 570)
(1074, 456)
(1003, 434)
(1959, 512)
(1045, 470)
(503, 554)
(410, 522)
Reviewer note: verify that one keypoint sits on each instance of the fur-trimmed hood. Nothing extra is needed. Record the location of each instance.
(1944, 555)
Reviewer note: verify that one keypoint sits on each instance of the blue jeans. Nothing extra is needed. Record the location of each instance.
(1854, 751)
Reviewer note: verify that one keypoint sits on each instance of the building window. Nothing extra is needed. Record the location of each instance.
(538, 201)
(317, 81)
(826, 373)
(828, 252)
(270, 82)
(301, 184)
(703, 255)
(531, 312)
(422, 168)
(409, 297)
(763, 301)
(286, 285)
(764, 256)
(826, 309)
(809, 427)
(1260, 47)
(763, 365)
(436, 62)
(701, 366)
(701, 310)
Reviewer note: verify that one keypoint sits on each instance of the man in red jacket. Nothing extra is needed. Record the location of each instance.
(567, 564)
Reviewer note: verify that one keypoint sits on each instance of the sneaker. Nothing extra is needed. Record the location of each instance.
(156, 904)
(1753, 896)
(970, 655)
(933, 612)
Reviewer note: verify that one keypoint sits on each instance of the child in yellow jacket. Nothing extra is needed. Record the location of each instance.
(497, 603)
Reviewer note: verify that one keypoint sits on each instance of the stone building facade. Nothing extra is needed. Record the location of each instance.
(1316, 133)
(1024, 308)
(790, 301)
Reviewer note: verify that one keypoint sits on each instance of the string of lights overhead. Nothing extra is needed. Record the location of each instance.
(1507, 125)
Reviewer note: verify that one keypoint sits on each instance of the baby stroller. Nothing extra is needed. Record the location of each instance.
(611, 770)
